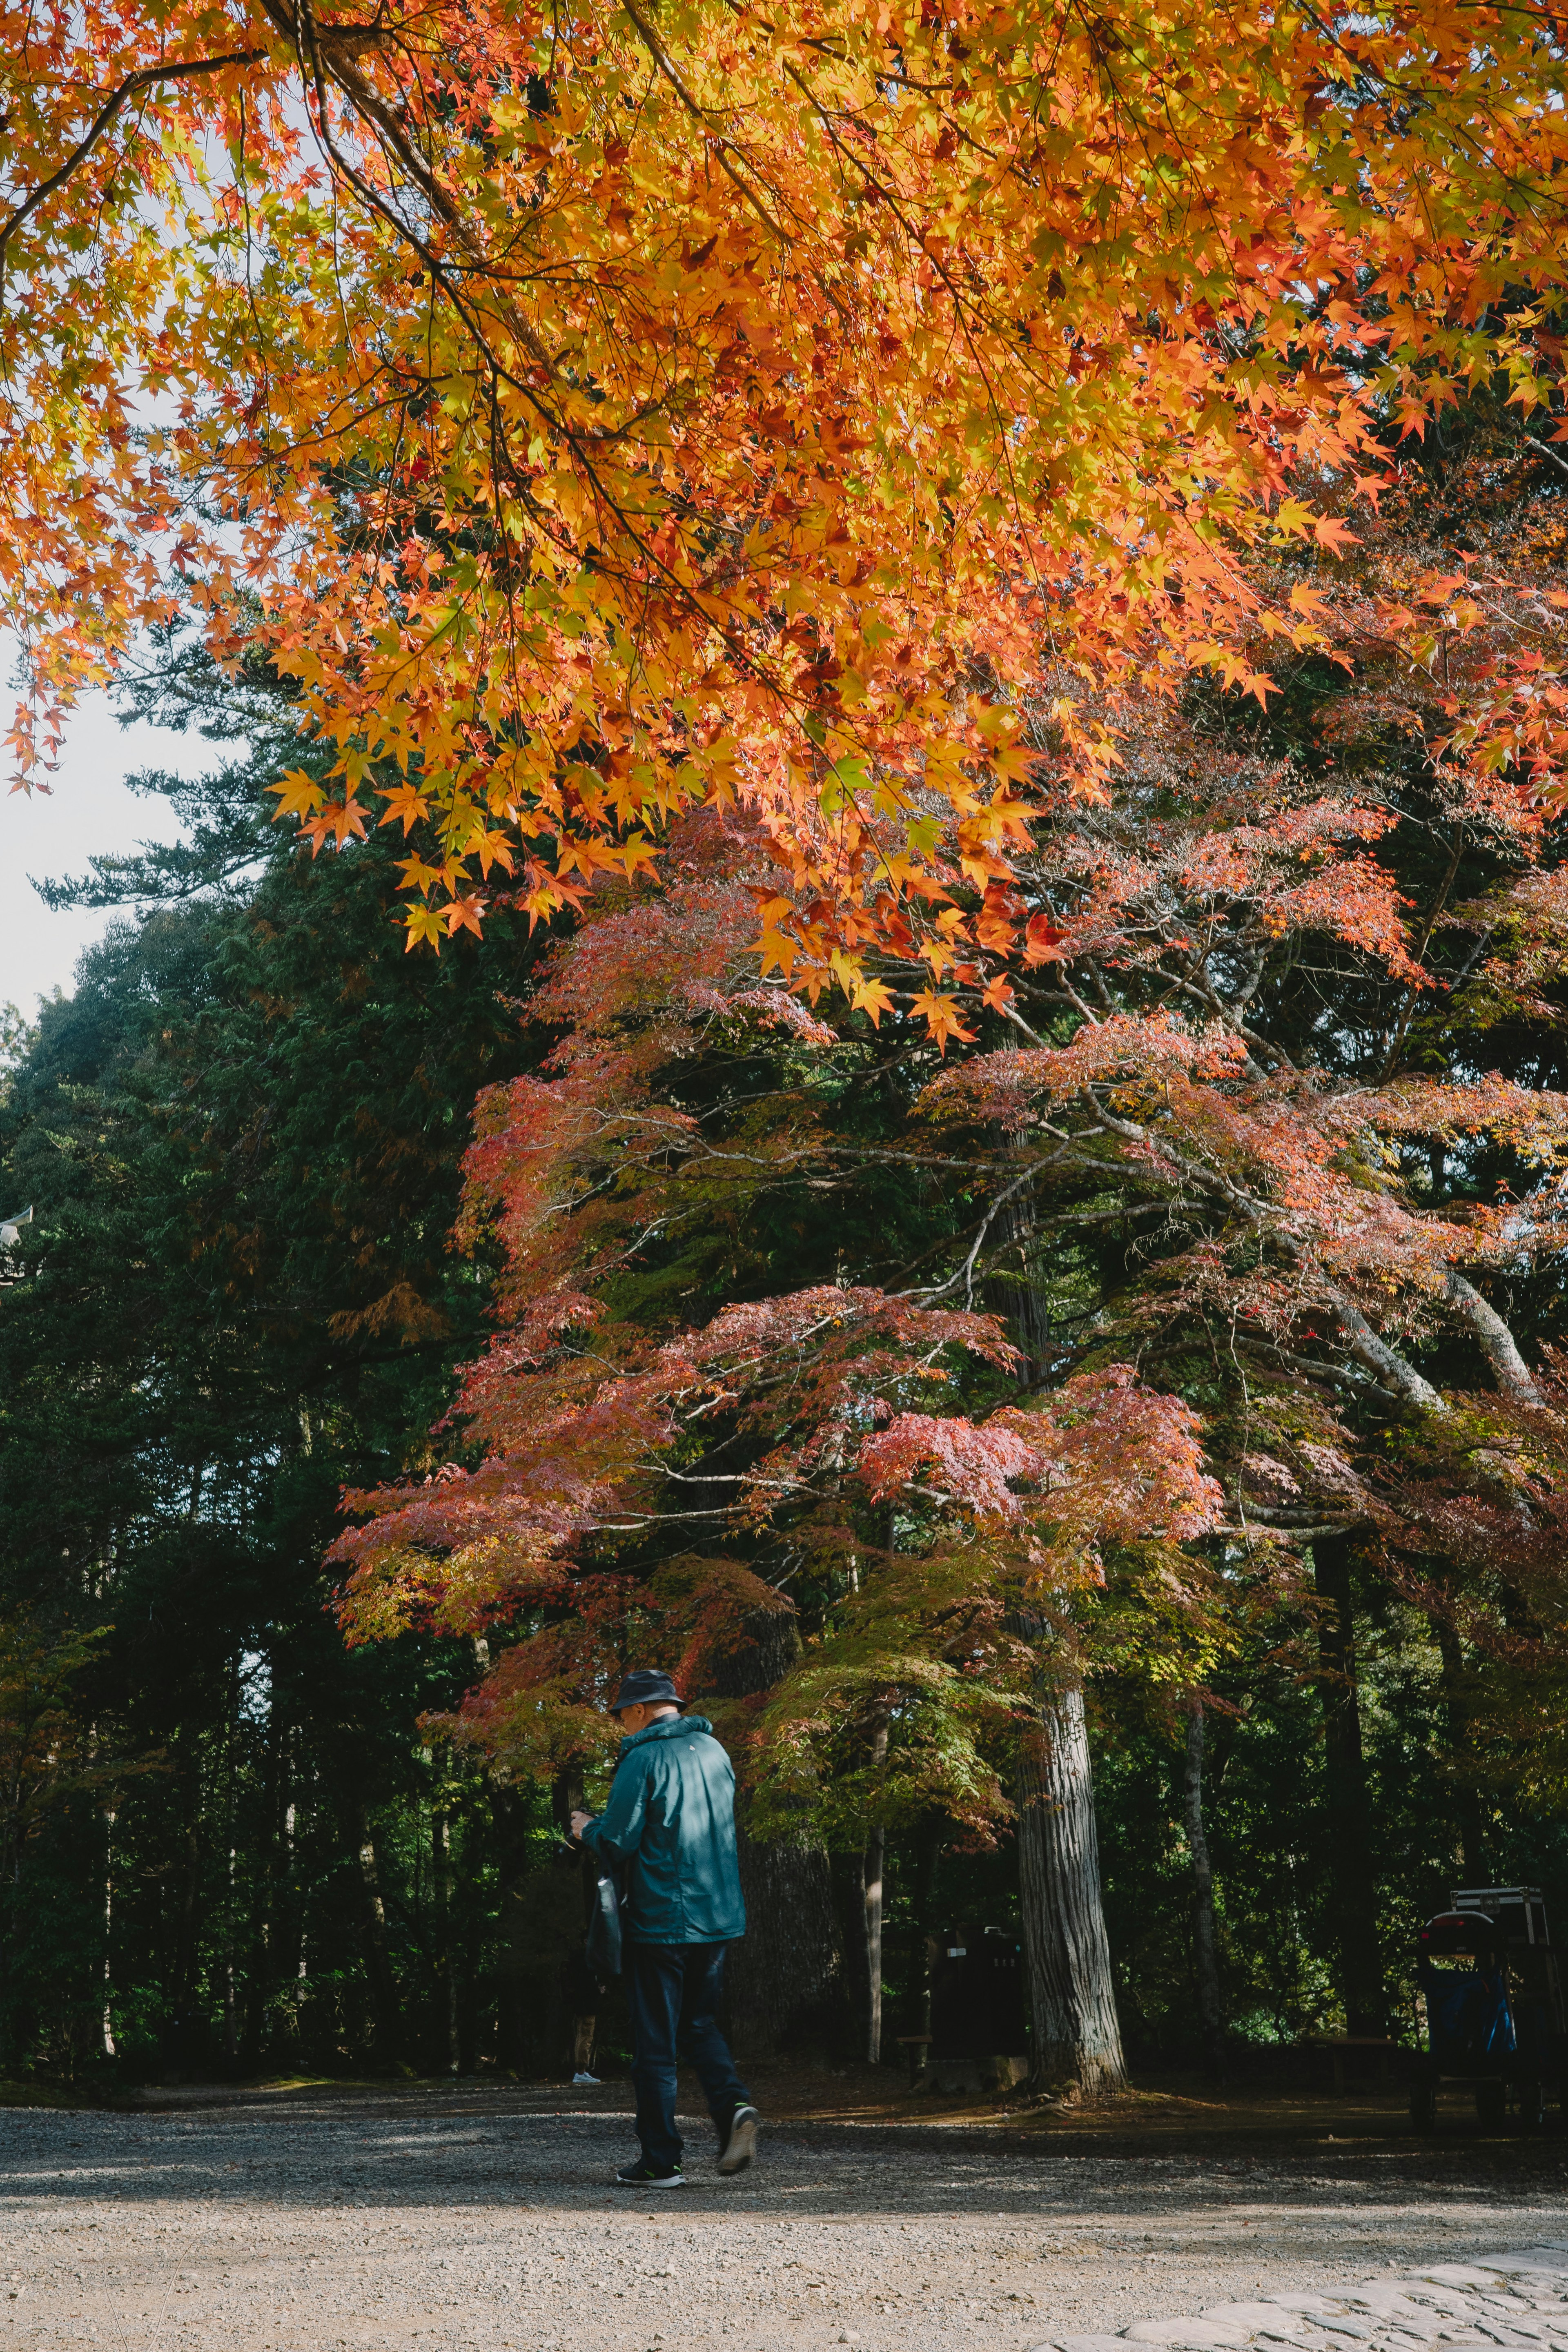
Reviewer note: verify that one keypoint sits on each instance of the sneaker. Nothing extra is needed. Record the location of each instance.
(585, 2078)
(642, 2175)
(741, 2145)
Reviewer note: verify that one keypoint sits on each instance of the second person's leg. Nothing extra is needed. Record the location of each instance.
(701, 2044)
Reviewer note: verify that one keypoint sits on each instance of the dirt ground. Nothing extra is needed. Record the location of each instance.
(291, 2219)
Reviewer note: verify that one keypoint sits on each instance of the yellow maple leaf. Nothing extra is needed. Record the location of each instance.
(298, 794)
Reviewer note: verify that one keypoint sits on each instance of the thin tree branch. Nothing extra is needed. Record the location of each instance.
(148, 78)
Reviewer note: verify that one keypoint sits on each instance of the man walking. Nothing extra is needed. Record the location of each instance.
(670, 1822)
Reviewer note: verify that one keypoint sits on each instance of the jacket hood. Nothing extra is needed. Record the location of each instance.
(673, 1727)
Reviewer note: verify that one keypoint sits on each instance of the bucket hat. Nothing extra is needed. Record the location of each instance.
(647, 1687)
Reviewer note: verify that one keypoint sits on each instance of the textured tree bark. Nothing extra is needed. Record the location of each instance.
(291, 1932)
(108, 2036)
(876, 1859)
(927, 1865)
(1383, 1361)
(230, 1925)
(511, 1850)
(262, 1966)
(1497, 1343)
(182, 2035)
(446, 1967)
(1360, 1981)
(782, 1984)
(1205, 1957)
(1076, 2034)
(848, 1884)
(230, 2013)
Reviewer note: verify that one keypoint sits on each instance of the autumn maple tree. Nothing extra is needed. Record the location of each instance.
(637, 1478)
(1237, 1139)
(596, 416)
(842, 1481)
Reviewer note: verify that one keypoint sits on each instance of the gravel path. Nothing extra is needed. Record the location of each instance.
(432, 2221)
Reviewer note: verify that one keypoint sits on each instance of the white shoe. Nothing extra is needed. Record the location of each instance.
(741, 2141)
(585, 2078)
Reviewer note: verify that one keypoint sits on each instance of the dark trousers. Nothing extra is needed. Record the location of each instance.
(674, 1990)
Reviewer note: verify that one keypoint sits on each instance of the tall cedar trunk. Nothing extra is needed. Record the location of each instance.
(566, 1798)
(263, 1969)
(468, 2017)
(1205, 1958)
(511, 1852)
(108, 2034)
(848, 1880)
(386, 2010)
(1072, 1993)
(1352, 1876)
(1469, 1832)
(927, 1865)
(781, 1981)
(1076, 2036)
(292, 1934)
(230, 2014)
(854, 1877)
(876, 1859)
(231, 1739)
(182, 2021)
(445, 1952)
(10, 1904)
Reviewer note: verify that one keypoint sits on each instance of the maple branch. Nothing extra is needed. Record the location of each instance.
(1253, 1525)
(1206, 995)
(1308, 1367)
(1011, 1013)
(1389, 1367)
(1377, 1355)
(723, 147)
(966, 1271)
(1498, 1345)
(313, 43)
(147, 78)
(308, 35)
(1542, 450)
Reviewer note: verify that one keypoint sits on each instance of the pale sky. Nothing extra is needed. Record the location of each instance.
(89, 811)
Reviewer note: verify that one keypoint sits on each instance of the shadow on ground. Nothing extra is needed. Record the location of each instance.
(417, 2145)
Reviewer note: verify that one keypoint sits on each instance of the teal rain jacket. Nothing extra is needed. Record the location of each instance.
(670, 1822)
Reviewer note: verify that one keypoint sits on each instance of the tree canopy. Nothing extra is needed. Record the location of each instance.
(596, 416)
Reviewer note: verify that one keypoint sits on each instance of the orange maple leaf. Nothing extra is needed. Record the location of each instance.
(943, 1017)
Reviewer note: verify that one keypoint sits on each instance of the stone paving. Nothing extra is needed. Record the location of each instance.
(1502, 2299)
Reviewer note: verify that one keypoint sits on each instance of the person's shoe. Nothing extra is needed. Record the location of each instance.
(741, 2145)
(585, 2078)
(642, 2175)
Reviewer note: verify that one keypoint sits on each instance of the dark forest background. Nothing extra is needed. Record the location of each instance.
(226, 1845)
